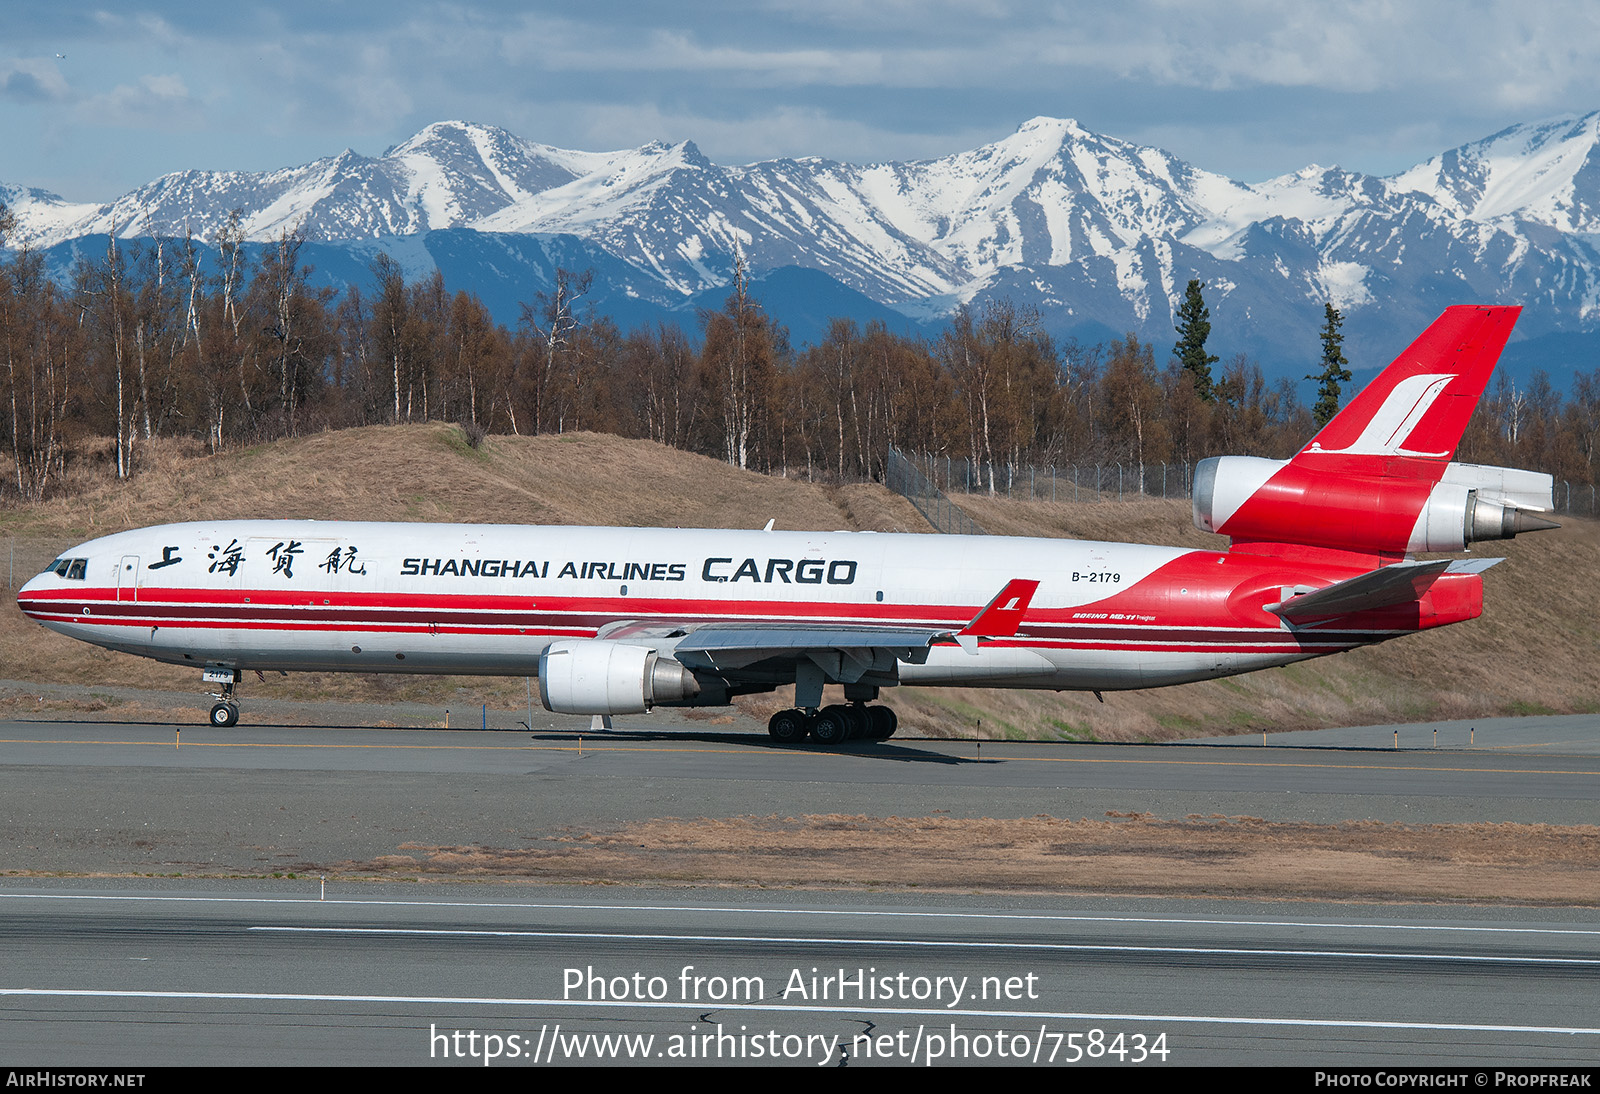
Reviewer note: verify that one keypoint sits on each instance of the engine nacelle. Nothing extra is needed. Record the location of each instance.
(1249, 498)
(1222, 484)
(595, 676)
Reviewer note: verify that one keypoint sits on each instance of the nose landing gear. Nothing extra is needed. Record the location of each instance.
(225, 713)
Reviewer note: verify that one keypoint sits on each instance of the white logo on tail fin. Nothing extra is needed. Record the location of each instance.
(1402, 410)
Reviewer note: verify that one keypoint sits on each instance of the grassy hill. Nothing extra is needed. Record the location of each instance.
(1534, 651)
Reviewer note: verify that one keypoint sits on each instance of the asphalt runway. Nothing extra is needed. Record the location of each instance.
(113, 966)
(254, 975)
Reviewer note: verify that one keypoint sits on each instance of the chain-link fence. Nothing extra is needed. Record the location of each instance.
(23, 556)
(1092, 482)
(907, 479)
(1072, 482)
(1577, 499)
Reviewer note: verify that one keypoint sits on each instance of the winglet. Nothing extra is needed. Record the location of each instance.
(1002, 616)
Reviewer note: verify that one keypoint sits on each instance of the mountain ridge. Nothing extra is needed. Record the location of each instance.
(1088, 230)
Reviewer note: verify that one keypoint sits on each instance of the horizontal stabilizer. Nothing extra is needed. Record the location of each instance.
(1401, 583)
(1473, 565)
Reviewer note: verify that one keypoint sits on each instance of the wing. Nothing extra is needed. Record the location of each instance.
(845, 653)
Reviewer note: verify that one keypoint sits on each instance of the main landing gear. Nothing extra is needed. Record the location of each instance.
(833, 725)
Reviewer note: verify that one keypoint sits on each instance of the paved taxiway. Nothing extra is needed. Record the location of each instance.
(206, 970)
(88, 797)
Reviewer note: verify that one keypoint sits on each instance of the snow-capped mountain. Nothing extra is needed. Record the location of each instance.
(1099, 234)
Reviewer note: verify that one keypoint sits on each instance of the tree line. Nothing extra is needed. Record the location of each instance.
(148, 341)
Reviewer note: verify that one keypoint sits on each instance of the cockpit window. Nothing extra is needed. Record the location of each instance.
(75, 572)
(73, 569)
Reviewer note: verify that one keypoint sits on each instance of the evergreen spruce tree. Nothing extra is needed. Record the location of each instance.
(1194, 327)
(1333, 371)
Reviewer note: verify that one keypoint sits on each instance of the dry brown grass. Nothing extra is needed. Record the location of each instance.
(1241, 857)
(1534, 650)
(1164, 522)
(870, 506)
(429, 473)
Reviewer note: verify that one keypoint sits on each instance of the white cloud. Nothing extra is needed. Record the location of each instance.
(766, 134)
(1480, 51)
(151, 102)
(32, 80)
(1278, 84)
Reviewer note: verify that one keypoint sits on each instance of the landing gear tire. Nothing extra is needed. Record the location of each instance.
(830, 727)
(224, 715)
(849, 715)
(860, 721)
(787, 726)
(884, 722)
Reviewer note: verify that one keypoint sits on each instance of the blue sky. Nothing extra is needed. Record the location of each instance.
(95, 101)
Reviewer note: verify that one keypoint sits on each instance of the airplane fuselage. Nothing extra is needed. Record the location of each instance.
(488, 599)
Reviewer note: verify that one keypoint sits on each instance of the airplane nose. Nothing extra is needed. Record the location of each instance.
(25, 594)
(29, 595)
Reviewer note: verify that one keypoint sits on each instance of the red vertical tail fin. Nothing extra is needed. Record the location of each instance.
(1418, 407)
(1378, 478)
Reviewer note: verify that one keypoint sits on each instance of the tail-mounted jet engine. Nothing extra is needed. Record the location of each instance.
(1250, 498)
(595, 676)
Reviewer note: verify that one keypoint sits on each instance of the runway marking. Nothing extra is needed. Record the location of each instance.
(1062, 1016)
(832, 913)
(699, 750)
(945, 944)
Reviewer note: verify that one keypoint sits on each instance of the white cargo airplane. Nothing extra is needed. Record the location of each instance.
(619, 620)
